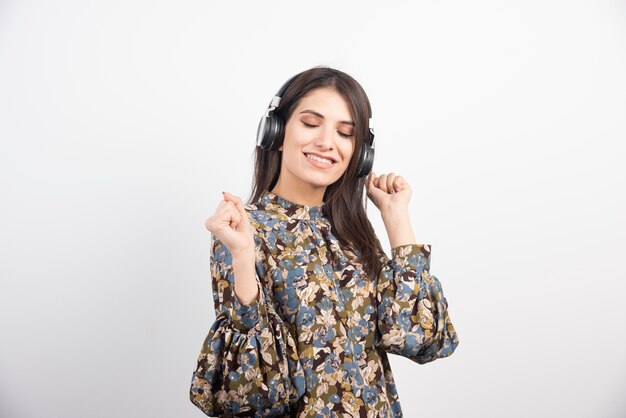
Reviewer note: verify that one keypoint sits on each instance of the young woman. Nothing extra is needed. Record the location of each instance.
(307, 303)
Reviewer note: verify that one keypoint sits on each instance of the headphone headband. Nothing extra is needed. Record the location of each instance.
(279, 95)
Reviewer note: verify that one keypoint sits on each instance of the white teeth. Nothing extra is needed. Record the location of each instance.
(321, 160)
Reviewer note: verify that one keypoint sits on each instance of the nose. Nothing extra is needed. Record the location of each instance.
(326, 138)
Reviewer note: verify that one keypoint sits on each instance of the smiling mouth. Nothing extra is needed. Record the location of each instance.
(319, 160)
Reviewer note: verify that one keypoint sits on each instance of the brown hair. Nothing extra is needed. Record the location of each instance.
(345, 203)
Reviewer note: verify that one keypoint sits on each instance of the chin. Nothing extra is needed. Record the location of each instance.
(317, 182)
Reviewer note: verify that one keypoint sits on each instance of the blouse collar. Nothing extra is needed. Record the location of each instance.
(272, 202)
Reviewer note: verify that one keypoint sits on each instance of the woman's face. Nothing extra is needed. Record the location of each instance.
(320, 124)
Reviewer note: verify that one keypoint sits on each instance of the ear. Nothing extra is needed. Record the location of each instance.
(280, 148)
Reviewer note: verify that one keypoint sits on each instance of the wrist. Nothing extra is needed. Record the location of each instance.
(244, 255)
(398, 226)
(395, 215)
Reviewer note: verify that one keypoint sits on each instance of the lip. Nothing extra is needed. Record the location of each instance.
(318, 164)
(328, 157)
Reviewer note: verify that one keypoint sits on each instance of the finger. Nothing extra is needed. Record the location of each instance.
(390, 179)
(233, 216)
(375, 180)
(402, 183)
(399, 183)
(228, 213)
(237, 202)
(382, 182)
(370, 180)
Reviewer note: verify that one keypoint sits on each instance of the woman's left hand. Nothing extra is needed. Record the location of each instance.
(389, 192)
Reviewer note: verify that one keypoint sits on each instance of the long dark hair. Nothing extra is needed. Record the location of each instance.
(345, 203)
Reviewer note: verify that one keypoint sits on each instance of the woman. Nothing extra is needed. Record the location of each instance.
(307, 303)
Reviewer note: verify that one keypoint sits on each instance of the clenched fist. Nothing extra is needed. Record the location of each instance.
(389, 192)
(230, 223)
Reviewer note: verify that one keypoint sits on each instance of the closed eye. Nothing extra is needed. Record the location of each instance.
(308, 125)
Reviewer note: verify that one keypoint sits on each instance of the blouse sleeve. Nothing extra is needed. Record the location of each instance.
(413, 319)
(248, 363)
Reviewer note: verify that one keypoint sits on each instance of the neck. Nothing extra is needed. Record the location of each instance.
(302, 194)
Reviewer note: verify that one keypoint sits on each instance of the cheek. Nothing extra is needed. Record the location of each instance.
(348, 152)
(295, 138)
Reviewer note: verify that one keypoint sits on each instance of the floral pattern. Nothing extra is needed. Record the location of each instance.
(315, 342)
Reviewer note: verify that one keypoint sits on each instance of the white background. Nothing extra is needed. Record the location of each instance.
(122, 121)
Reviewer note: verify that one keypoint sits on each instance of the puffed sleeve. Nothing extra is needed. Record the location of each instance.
(413, 319)
(248, 364)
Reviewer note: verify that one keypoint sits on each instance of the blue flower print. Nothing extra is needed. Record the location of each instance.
(306, 317)
(370, 395)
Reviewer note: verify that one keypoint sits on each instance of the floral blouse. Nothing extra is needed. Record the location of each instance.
(315, 342)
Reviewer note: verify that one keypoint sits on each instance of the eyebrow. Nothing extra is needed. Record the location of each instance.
(319, 115)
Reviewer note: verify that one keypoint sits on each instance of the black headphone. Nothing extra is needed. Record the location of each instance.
(272, 127)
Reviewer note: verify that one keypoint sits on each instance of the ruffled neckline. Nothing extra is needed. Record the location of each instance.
(273, 202)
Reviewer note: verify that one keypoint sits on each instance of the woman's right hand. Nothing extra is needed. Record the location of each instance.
(230, 223)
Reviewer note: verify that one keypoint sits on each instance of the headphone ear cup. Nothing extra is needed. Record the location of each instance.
(277, 131)
(272, 132)
(366, 161)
